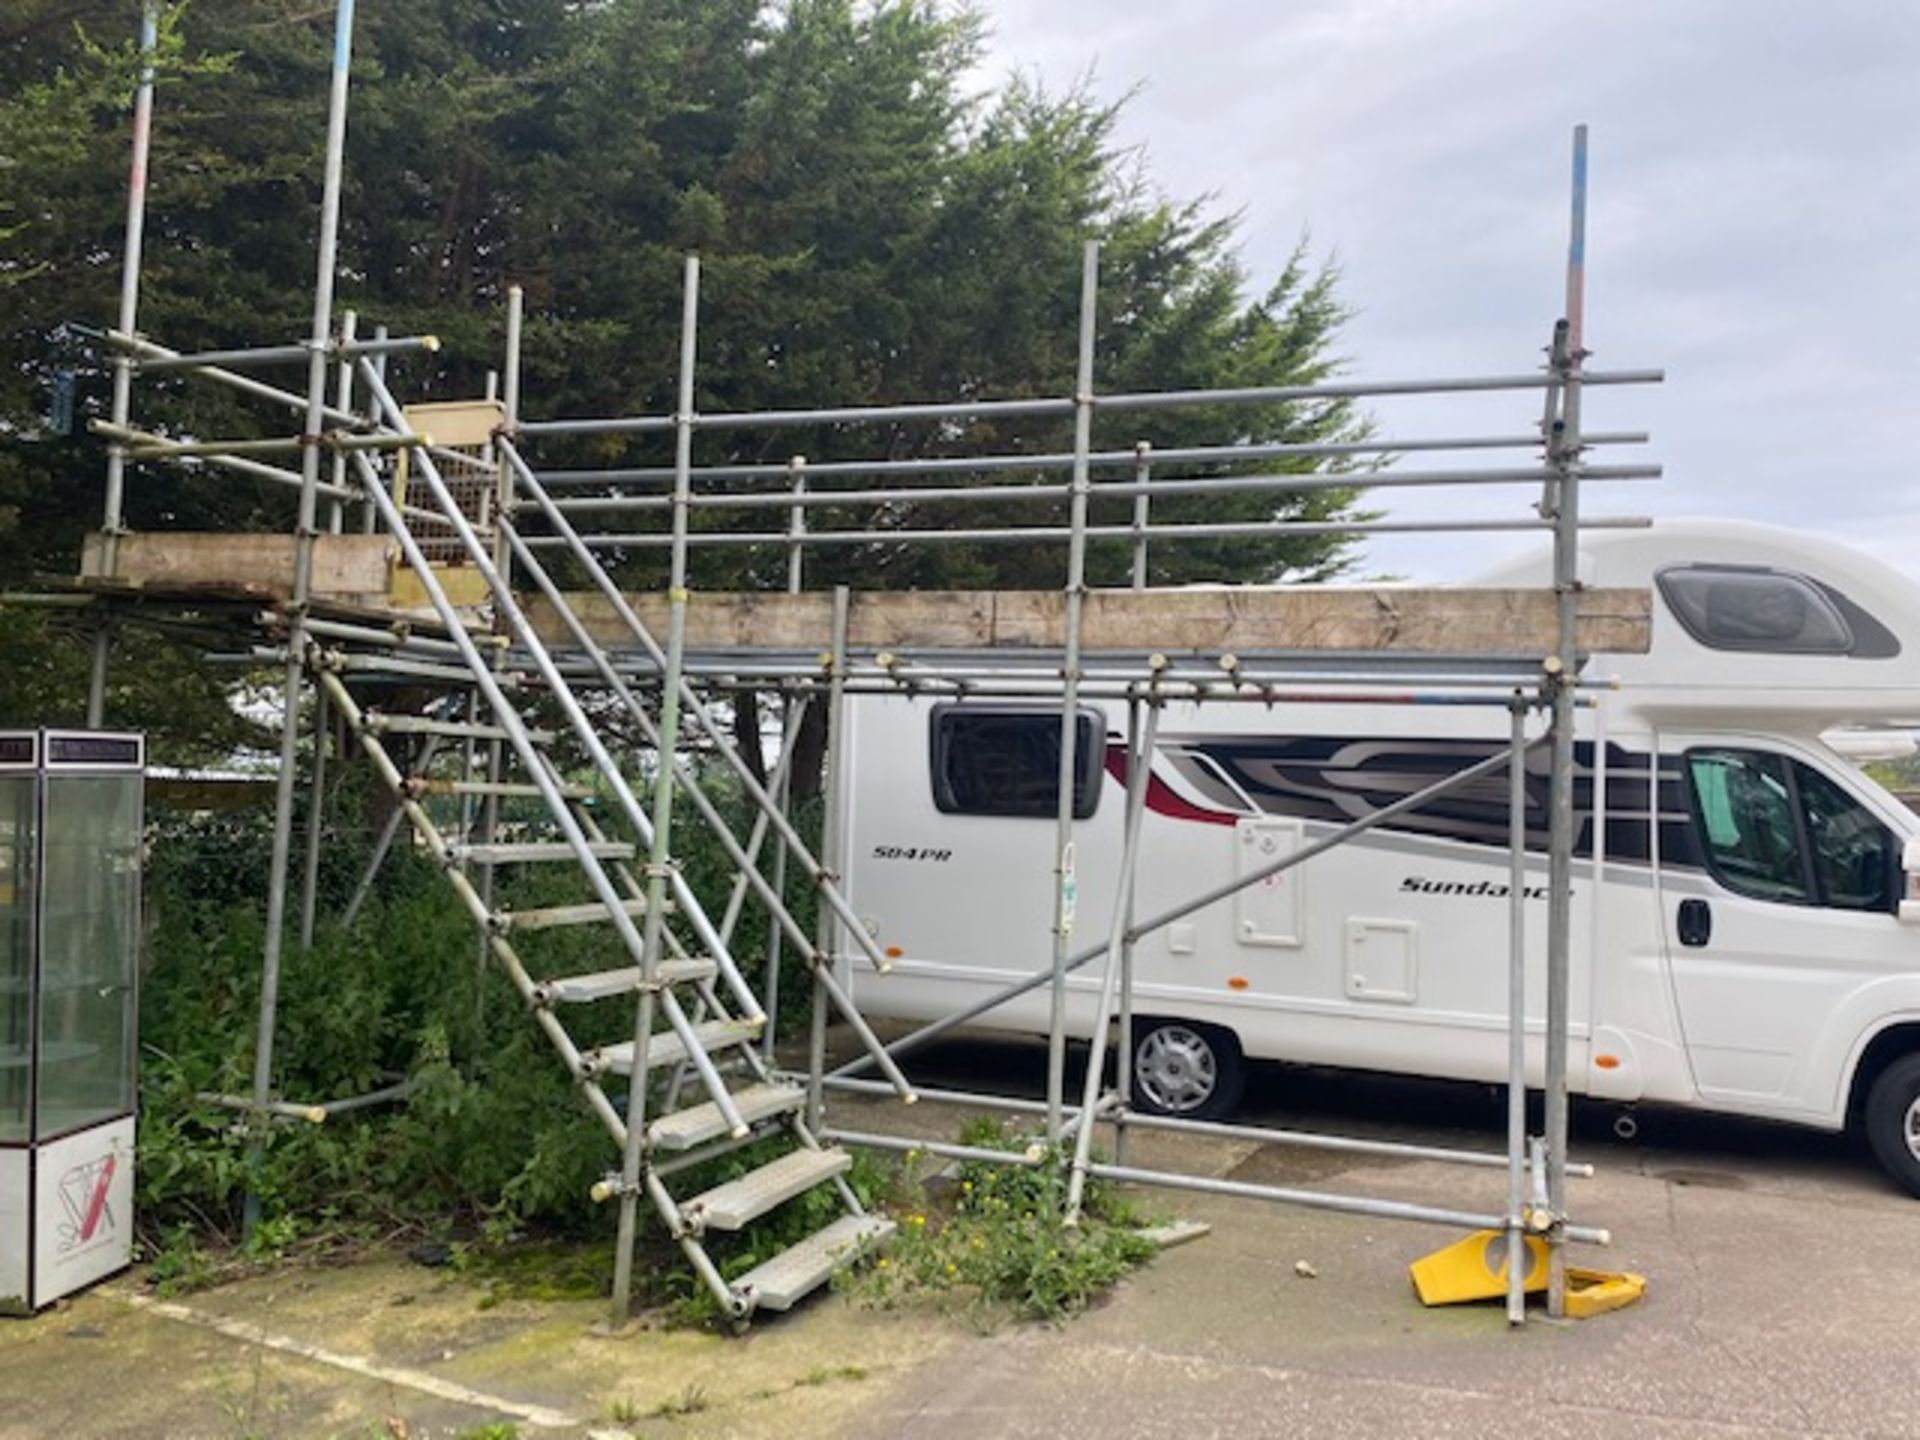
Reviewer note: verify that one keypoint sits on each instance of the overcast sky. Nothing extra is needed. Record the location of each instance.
(1754, 217)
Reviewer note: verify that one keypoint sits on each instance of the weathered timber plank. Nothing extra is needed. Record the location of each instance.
(343, 565)
(1403, 619)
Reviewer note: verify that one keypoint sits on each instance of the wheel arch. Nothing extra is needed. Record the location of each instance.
(1889, 1044)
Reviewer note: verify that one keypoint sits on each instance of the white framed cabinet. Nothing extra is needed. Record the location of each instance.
(70, 864)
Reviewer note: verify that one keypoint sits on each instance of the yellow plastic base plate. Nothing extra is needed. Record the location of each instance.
(1475, 1269)
(1595, 1292)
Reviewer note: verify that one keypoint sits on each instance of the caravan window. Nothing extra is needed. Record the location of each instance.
(1005, 760)
(1775, 829)
(1727, 607)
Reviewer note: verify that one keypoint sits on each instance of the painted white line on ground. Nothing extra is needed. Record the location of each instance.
(538, 1416)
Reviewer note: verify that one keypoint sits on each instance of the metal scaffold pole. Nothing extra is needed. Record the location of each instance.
(1142, 500)
(316, 819)
(833, 781)
(660, 853)
(571, 653)
(1564, 451)
(1517, 1013)
(112, 521)
(343, 400)
(1065, 882)
(302, 580)
(503, 562)
(1118, 973)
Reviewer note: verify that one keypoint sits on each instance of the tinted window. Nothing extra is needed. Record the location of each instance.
(1776, 829)
(1726, 607)
(1852, 851)
(1005, 760)
(1744, 806)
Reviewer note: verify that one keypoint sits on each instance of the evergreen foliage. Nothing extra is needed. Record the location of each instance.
(874, 229)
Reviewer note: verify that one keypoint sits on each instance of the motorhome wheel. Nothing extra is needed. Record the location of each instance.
(1181, 1067)
(1893, 1121)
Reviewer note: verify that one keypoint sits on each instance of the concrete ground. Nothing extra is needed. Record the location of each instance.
(1782, 1300)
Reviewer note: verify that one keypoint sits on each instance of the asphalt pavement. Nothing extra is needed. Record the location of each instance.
(1782, 1299)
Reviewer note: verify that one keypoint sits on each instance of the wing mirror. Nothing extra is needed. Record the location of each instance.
(1909, 907)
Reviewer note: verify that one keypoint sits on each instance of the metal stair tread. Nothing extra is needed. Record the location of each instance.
(453, 729)
(529, 852)
(737, 1203)
(603, 984)
(796, 1272)
(666, 1048)
(547, 917)
(698, 1124)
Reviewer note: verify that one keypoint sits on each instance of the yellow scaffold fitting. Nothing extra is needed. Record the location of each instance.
(1595, 1292)
(1476, 1269)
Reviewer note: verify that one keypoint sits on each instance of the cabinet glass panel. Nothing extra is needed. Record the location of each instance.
(16, 954)
(90, 932)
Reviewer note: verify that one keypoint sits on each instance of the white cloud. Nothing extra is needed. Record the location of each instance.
(1755, 215)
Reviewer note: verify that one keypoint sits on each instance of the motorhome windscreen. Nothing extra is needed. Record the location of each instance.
(1853, 853)
(1005, 760)
(1778, 830)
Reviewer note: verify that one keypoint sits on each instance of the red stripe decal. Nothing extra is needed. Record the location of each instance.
(1161, 798)
(97, 1202)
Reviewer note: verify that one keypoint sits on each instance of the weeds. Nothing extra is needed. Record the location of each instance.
(690, 1401)
(999, 1247)
(492, 1146)
(492, 1156)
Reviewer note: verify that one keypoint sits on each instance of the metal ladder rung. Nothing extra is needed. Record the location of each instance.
(453, 729)
(666, 1048)
(583, 989)
(551, 916)
(533, 852)
(698, 1124)
(740, 1202)
(796, 1272)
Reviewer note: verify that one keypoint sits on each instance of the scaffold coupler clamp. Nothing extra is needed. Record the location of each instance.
(611, 1186)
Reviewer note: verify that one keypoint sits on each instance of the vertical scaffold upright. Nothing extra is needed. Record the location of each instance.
(613, 816)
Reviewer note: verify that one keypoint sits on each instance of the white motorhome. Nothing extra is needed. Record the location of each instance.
(1740, 938)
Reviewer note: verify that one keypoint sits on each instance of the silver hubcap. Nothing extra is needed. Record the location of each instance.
(1176, 1071)
(1913, 1129)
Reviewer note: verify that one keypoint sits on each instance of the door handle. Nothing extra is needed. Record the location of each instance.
(1695, 923)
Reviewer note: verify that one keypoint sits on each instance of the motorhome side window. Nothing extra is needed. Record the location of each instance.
(1773, 612)
(1005, 760)
(1776, 829)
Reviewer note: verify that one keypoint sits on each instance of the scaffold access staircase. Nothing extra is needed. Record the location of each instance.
(697, 1026)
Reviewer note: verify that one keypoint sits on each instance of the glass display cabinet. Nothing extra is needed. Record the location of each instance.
(70, 860)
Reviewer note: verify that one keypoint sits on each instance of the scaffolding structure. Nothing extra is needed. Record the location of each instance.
(697, 1075)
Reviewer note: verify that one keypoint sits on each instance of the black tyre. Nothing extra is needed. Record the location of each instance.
(1892, 1121)
(1185, 1068)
